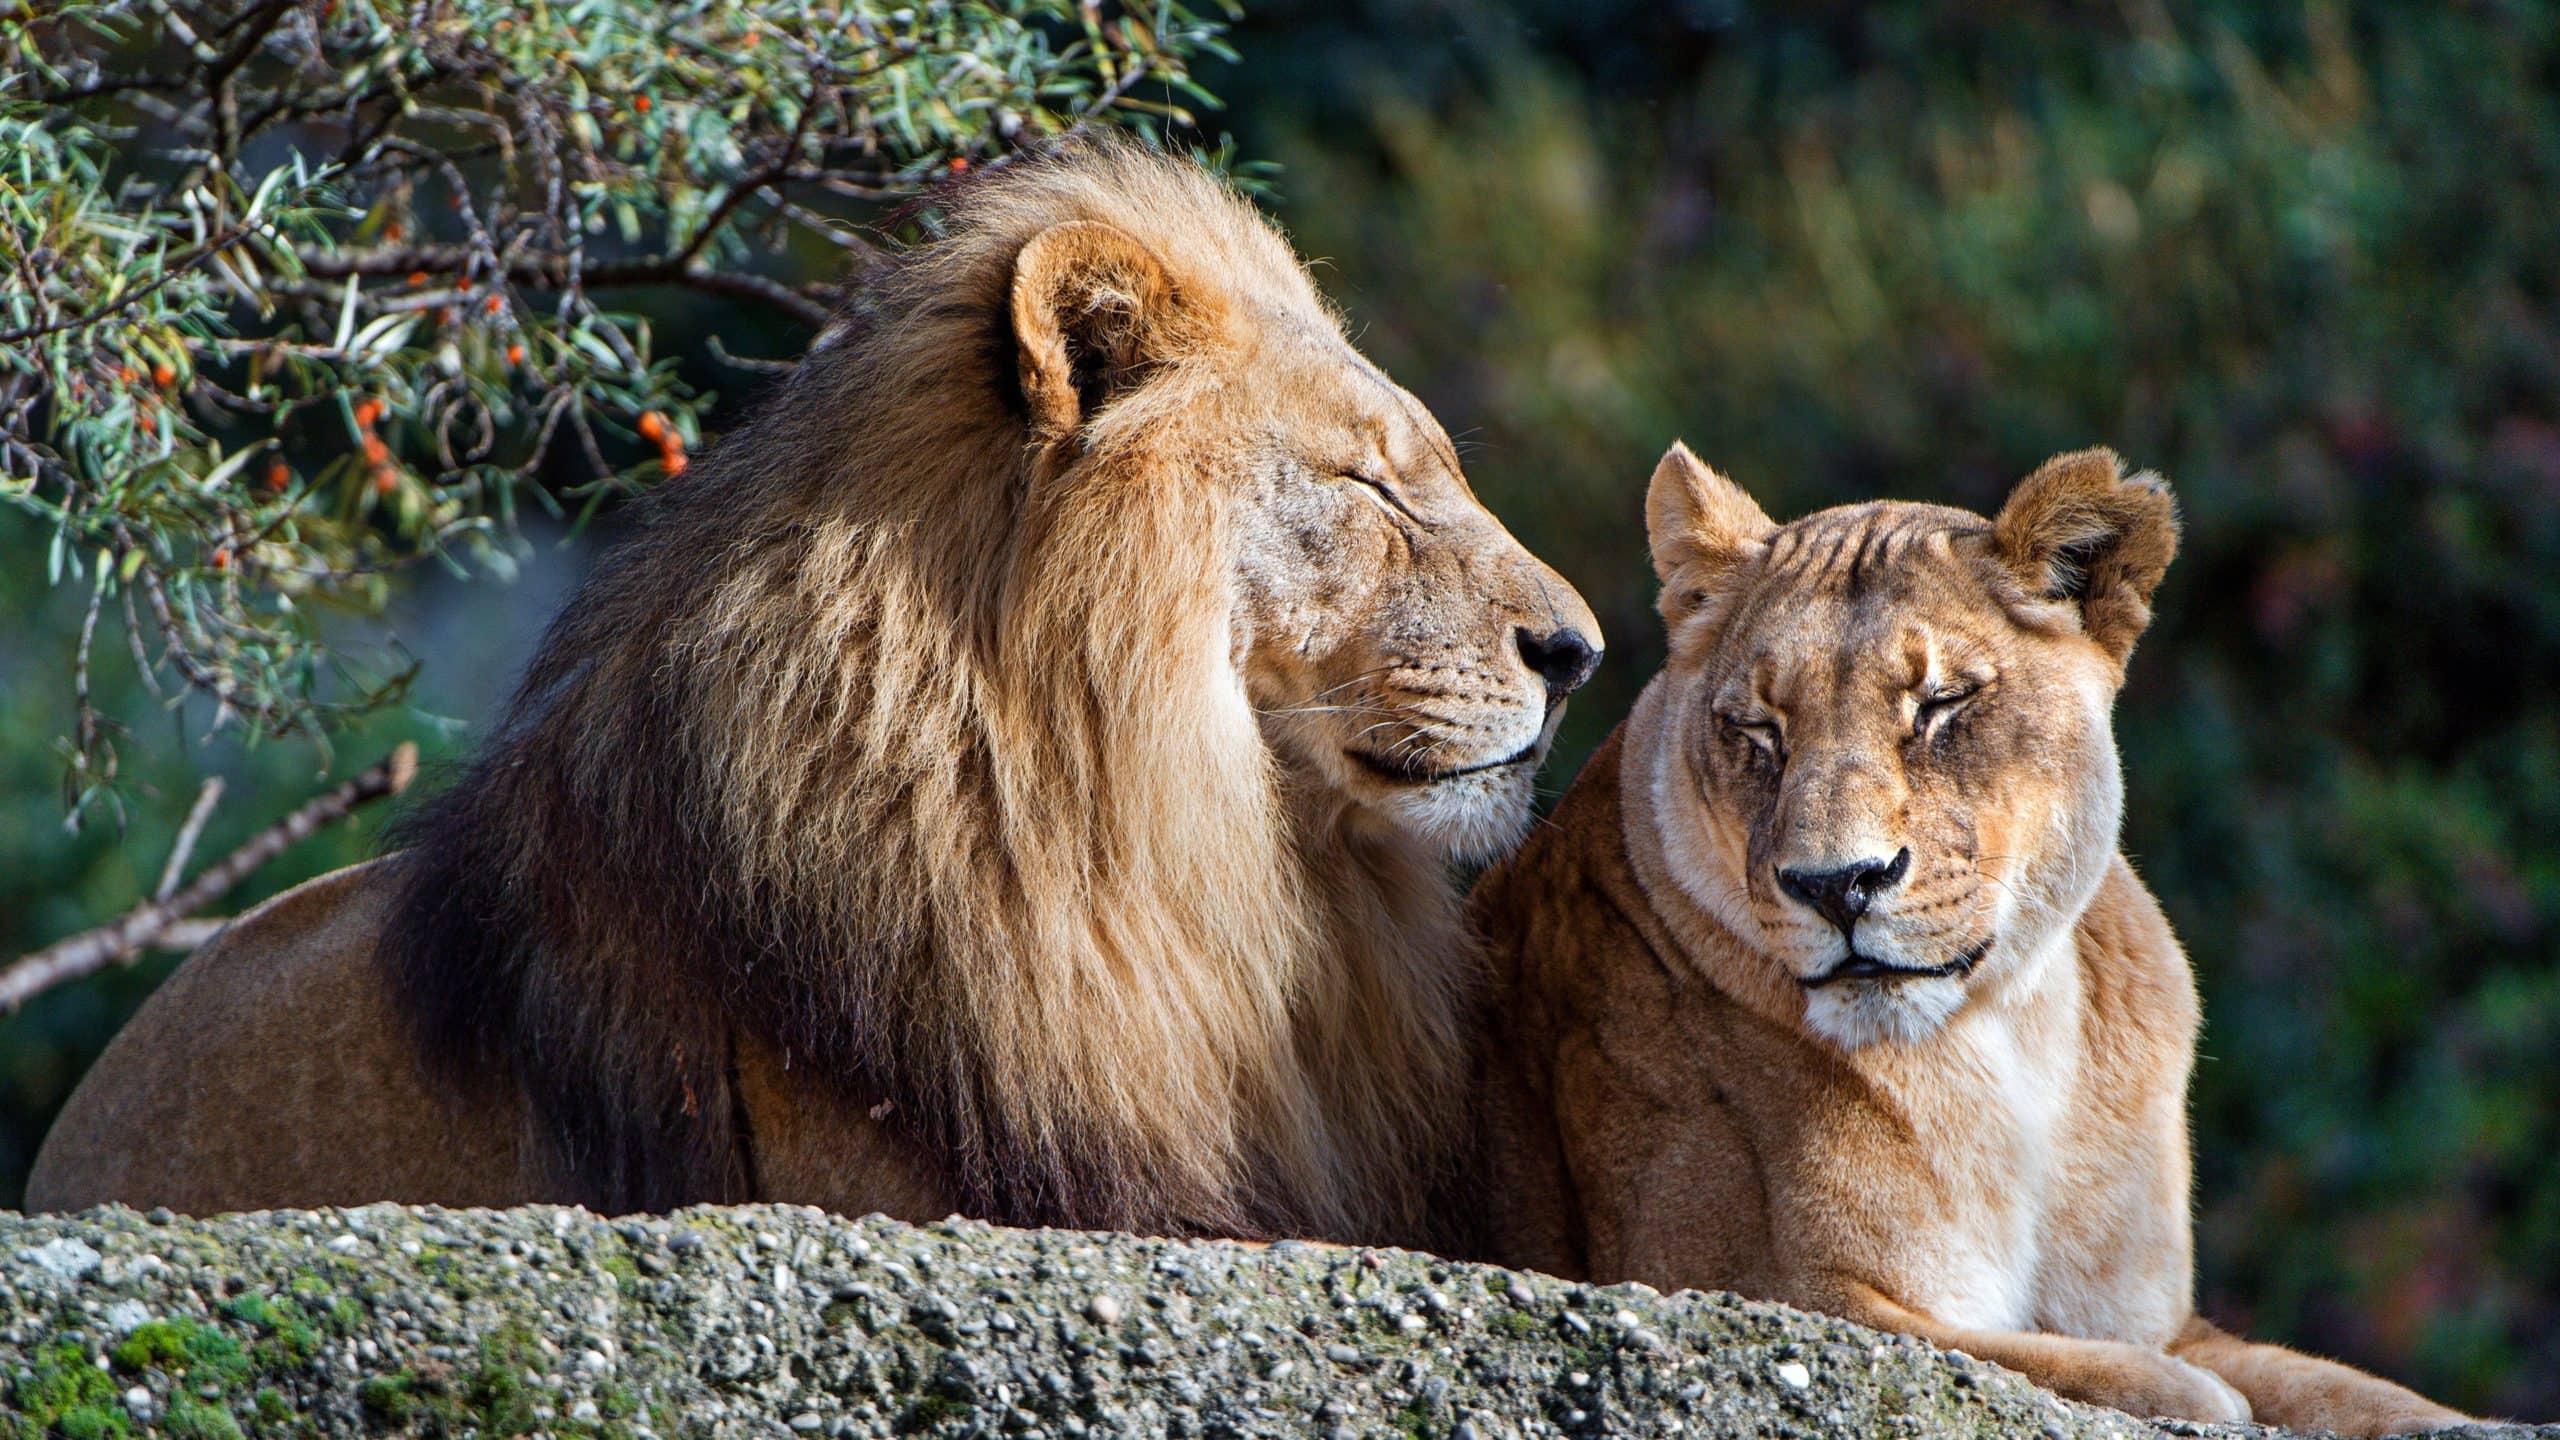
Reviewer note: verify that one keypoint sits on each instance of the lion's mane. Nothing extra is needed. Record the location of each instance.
(874, 745)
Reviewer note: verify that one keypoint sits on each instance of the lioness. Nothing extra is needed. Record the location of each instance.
(1016, 773)
(1829, 985)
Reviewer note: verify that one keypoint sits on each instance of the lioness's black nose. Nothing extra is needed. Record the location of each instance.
(1841, 896)
(1563, 658)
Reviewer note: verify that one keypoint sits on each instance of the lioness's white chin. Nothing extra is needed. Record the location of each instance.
(1854, 1014)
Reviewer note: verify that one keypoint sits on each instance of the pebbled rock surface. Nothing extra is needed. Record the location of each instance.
(785, 1322)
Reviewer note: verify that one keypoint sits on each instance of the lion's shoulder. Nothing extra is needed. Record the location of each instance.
(321, 933)
(271, 1069)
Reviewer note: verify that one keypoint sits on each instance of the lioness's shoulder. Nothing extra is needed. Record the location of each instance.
(2139, 976)
(1569, 896)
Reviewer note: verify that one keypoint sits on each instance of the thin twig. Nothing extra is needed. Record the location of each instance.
(206, 798)
(108, 85)
(218, 73)
(546, 273)
(87, 723)
(142, 665)
(94, 950)
(183, 265)
(185, 935)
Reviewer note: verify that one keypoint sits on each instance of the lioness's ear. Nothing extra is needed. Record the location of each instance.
(1091, 307)
(2082, 532)
(1700, 525)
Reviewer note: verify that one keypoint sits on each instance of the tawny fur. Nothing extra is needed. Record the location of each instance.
(1021, 763)
(1679, 1089)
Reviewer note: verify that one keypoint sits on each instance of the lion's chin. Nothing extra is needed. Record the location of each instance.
(1472, 819)
(1854, 1014)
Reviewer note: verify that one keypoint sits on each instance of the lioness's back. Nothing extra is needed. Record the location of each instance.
(284, 1014)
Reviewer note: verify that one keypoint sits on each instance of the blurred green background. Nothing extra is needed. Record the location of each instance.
(2299, 258)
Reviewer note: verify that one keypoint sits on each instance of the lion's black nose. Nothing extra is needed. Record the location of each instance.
(1564, 659)
(1841, 896)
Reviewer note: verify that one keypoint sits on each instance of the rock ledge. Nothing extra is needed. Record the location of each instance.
(784, 1322)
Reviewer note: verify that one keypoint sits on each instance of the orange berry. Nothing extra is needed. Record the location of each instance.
(393, 231)
(417, 278)
(222, 559)
(673, 462)
(652, 426)
(515, 354)
(164, 375)
(367, 413)
(375, 451)
(959, 164)
(493, 304)
(278, 476)
(149, 422)
(641, 104)
(752, 37)
(385, 479)
(124, 373)
(463, 284)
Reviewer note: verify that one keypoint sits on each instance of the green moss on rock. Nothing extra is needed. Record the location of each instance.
(63, 1392)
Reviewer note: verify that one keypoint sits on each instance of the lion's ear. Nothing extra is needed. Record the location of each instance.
(1700, 526)
(1091, 307)
(2082, 532)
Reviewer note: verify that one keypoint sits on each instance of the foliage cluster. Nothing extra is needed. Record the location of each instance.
(303, 291)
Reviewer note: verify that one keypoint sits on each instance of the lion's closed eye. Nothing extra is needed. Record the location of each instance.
(1380, 492)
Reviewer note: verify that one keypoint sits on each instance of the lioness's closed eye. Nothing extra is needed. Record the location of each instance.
(1828, 983)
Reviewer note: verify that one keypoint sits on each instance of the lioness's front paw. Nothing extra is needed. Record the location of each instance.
(2176, 1390)
(2230, 1406)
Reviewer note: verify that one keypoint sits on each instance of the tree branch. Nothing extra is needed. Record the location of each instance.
(185, 845)
(108, 85)
(185, 935)
(797, 303)
(94, 950)
(226, 110)
(168, 272)
(551, 273)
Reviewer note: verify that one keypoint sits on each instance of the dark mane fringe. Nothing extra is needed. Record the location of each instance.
(515, 859)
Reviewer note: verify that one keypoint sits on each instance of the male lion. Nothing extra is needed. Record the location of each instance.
(1014, 774)
(1829, 985)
